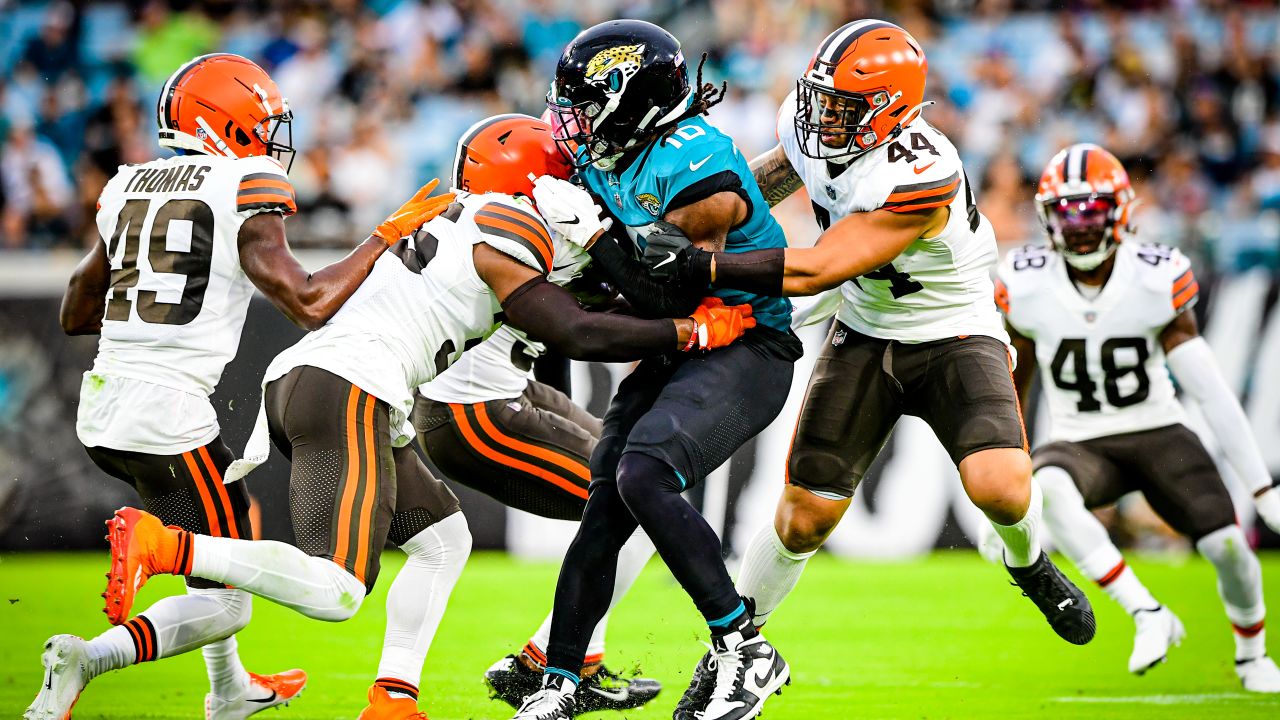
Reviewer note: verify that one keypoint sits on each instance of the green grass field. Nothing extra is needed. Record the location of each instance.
(942, 637)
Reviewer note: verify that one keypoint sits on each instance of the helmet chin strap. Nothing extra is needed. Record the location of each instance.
(1090, 260)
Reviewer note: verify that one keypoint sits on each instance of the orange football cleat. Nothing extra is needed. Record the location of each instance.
(384, 707)
(140, 547)
(265, 691)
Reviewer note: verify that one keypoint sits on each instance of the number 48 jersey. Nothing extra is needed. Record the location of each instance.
(1100, 358)
(178, 297)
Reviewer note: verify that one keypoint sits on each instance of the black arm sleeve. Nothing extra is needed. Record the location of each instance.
(552, 369)
(757, 271)
(646, 295)
(550, 315)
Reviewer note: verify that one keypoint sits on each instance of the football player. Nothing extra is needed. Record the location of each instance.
(185, 240)
(337, 404)
(625, 112)
(915, 335)
(1107, 318)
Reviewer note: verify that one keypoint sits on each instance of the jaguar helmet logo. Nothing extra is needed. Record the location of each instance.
(612, 68)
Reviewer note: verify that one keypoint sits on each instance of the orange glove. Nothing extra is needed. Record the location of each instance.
(413, 214)
(719, 324)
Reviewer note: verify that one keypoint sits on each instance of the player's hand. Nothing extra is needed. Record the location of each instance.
(719, 324)
(568, 209)
(672, 257)
(1268, 507)
(413, 214)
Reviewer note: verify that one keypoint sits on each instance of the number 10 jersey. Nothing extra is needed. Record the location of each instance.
(177, 299)
(1101, 360)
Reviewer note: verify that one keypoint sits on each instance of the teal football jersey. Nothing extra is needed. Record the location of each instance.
(695, 162)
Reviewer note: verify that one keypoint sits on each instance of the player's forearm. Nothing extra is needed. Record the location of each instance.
(550, 315)
(646, 296)
(86, 297)
(1196, 370)
(779, 272)
(775, 176)
(311, 299)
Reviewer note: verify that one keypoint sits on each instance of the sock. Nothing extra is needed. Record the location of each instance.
(227, 677)
(561, 680)
(112, 650)
(281, 573)
(736, 624)
(1240, 586)
(398, 688)
(769, 572)
(632, 558)
(417, 599)
(1022, 539)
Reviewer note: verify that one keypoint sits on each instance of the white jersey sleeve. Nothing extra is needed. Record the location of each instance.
(178, 297)
(512, 226)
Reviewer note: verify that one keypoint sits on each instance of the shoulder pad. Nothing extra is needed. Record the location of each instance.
(263, 187)
(1165, 269)
(1022, 267)
(512, 226)
(919, 170)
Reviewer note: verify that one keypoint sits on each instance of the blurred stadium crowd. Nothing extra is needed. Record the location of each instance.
(1187, 93)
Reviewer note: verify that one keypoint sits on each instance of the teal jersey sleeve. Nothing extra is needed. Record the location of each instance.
(695, 162)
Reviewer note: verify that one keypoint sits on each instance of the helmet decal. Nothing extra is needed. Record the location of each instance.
(611, 68)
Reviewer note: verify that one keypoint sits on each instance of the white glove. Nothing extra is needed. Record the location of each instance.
(568, 209)
(1268, 506)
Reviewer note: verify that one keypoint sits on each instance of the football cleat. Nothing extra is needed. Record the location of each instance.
(1063, 605)
(553, 702)
(66, 672)
(1259, 675)
(511, 680)
(265, 691)
(141, 546)
(606, 690)
(747, 672)
(382, 706)
(1156, 630)
(698, 694)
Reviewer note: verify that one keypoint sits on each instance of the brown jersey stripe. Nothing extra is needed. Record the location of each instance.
(1191, 292)
(573, 465)
(264, 176)
(517, 234)
(206, 499)
(220, 491)
(369, 490)
(279, 183)
(464, 423)
(523, 219)
(898, 197)
(287, 208)
(351, 481)
(931, 185)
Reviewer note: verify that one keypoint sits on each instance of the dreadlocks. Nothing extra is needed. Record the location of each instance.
(705, 97)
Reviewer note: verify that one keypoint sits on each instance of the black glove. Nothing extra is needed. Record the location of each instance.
(671, 257)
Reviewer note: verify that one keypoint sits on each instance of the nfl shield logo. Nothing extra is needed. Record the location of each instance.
(838, 339)
(1091, 317)
(831, 192)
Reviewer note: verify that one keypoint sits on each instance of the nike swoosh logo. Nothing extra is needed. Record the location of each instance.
(919, 170)
(562, 267)
(569, 222)
(693, 166)
(266, 699)
(614, 695)
(670, 258)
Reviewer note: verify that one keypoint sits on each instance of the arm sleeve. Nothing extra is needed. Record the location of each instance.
(264, 188)
(550, 315)
(646, 295)
(1196, 370)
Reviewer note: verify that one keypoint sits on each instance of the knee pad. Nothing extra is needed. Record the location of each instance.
(639, 476)
(446, 543)
(237, 606)
(824, 472)
(348, 594)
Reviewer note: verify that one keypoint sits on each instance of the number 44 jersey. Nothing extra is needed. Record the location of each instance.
(1100, 357)
(937, 287)
(178, 297)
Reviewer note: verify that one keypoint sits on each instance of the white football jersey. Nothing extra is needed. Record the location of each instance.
(422, 305)
(178, 297)
(1101, 361)
(498, 368)
(937, 287)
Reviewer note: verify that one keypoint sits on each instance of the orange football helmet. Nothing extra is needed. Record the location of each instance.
(499, 153)
(863, 86)
(1085, 202)
(224, 104)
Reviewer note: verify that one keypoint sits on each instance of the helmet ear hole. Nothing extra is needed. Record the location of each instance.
(241, 137)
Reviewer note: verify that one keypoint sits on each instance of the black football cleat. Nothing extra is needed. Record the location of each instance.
(746, 672)
(698, 694)
(1062, 603)
(606, 690)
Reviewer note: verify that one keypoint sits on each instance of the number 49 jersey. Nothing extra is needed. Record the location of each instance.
(1100, 358)
(178, 297)
(937, 287)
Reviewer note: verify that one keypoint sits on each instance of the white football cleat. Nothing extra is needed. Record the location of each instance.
(1259, 675)
(264, 691)
(65, 660)
(1156, 631)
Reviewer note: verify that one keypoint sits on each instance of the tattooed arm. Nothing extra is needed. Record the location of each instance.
(775, 176)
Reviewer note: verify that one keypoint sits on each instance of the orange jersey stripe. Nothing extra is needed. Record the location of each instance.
(921, 205)
(520, 217)
(479, 445)
(554, 458)
(539, 242)
(1186, 295)
(265, 196)
(345, 506)
(364, 531)
(215, 478)
(215, 528)
(920, 194)
(1183, 281)
(1002, 296)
